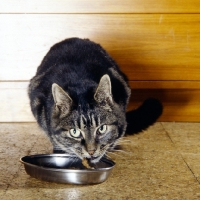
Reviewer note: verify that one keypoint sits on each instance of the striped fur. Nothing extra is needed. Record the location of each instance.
(78, 88)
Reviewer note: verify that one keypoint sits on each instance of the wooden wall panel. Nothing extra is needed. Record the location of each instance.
(100, 6)
(164, 84)
(156, 43)
(14, 102)
(179, 105)
(146, 46)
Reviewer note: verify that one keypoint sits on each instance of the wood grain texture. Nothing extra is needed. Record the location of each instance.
(14, 102)
(100, 6)
(179, 105)
(156, 43)
(164, 84)
(146, 46)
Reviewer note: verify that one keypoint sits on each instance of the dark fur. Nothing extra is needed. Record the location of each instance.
(77, 66)
(144, 116)
(66, 94)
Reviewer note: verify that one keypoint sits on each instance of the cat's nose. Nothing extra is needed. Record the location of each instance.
(91, 152)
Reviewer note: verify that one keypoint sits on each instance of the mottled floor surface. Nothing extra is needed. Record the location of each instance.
(160, 163)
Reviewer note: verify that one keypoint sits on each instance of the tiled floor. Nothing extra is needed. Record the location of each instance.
(160, 163)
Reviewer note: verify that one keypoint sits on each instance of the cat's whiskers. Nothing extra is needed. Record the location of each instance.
(122, 141)
(121, 151)
(74, 160)
(105, 148)
(68, 151)
(115, 154)
(106, 154)
(72, 155)
(123, 138)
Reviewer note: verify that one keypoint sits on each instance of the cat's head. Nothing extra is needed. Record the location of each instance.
(89, 131)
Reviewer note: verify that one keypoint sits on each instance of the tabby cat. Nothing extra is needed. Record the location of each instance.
(79, 97)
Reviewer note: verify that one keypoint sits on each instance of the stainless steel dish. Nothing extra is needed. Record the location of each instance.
(62, 168)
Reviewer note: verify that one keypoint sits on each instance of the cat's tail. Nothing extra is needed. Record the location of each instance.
(144, 116)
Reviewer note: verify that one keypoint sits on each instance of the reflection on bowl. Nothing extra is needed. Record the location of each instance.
(62, 168)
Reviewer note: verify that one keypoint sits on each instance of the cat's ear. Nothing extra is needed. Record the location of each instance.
(103, 94)
(62, 100)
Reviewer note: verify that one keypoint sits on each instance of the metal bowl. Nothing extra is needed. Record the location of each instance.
(62, 168)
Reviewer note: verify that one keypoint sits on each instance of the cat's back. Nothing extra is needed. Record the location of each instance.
(73, 62)
(77, 66)
(76, 55)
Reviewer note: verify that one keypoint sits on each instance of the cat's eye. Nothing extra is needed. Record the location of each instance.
(75, 133)
(102, 129)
